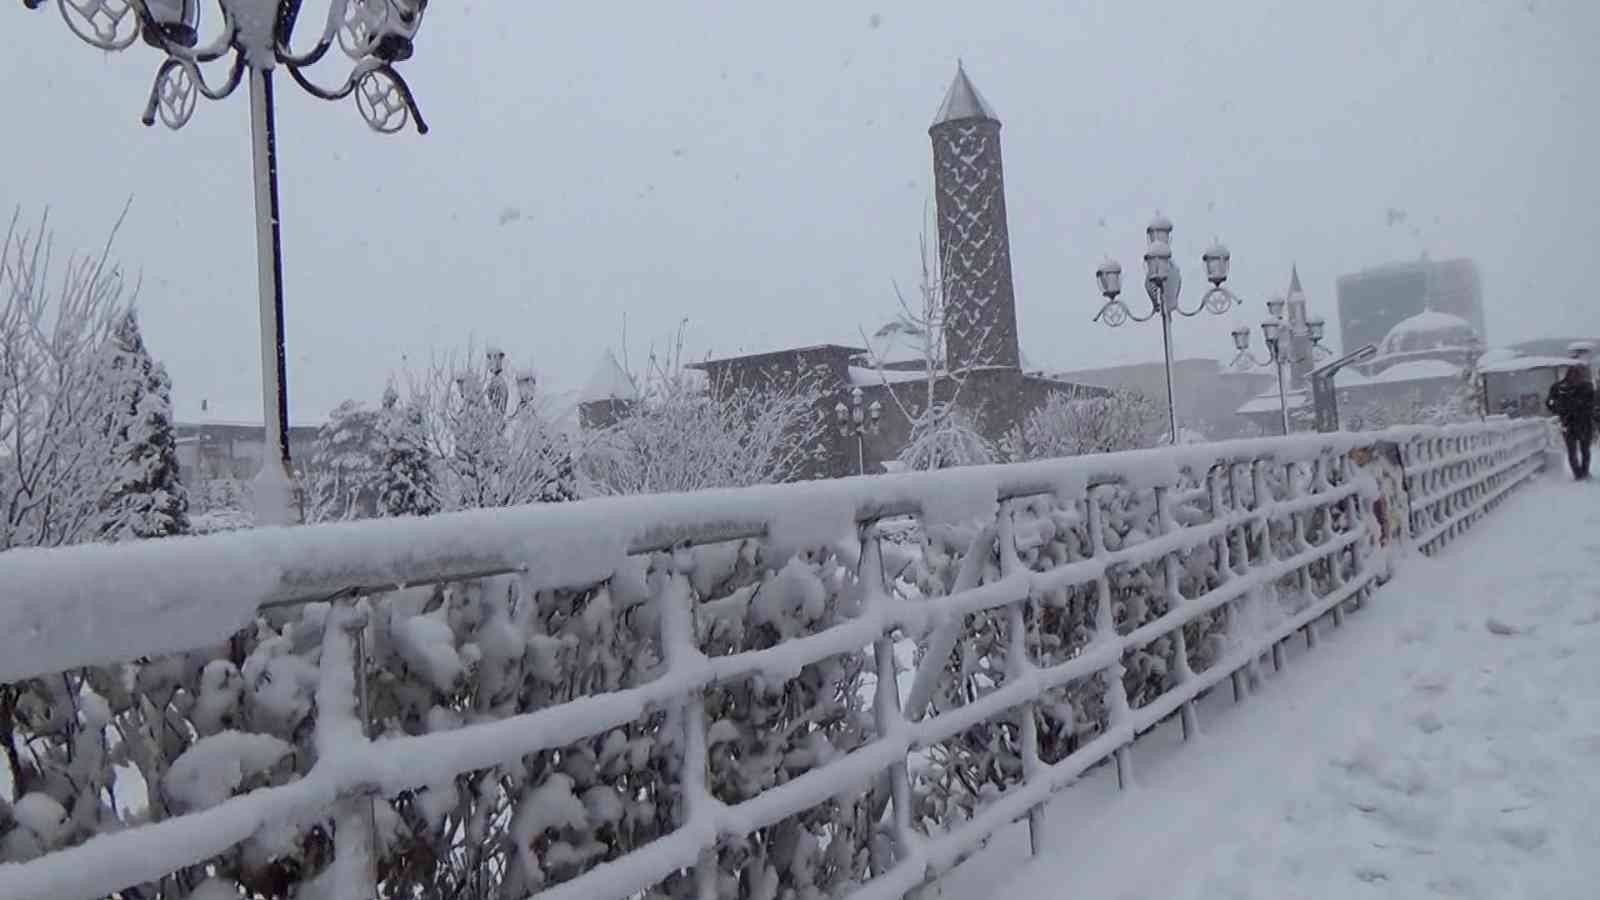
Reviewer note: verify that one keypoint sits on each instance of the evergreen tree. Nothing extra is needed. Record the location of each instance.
(346, 465)
(406, 485)
(145, 498)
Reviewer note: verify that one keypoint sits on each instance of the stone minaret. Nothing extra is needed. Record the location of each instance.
(980, 315)
(1300, 344)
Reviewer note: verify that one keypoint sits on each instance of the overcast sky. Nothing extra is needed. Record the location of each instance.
(764, 172)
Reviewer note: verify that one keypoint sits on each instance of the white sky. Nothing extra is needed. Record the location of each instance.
(763, 171)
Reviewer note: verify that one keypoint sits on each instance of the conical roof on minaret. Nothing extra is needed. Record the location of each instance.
(963, 101)
(1294, 281)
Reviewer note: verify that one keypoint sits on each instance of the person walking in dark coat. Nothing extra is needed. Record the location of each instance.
(1572, 400)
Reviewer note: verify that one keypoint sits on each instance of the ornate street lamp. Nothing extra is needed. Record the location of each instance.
(1163, 283)
(1279, 335)
(255, 37)
(858, 421)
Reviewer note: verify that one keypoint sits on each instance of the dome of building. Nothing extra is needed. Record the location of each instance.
(1426, 332)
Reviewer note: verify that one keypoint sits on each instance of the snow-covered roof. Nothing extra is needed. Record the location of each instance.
(1263, 403)
(863, 377)
(1497, 355)
(1525, 363)
(963, 101)
(1348, 377)
(892, 344)
(608, 381)
(1430, 320)
(1417, 370)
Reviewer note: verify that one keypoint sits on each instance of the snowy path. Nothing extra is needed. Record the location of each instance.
(1445, 743)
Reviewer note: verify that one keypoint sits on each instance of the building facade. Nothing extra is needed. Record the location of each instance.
(232, 451)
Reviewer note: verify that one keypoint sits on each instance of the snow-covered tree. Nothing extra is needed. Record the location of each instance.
(346, 465)
(57, 462)
(687, 433)
(1072, 424)
(146, 497)
(493, 446)
(406, 485)
(943, 431)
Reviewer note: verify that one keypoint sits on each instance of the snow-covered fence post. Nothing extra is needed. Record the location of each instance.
(682, 651)
(1338, 472)
(1171, 589)
(1297, 541)
(1224, 508)
(1116, 694)
(886, 712)
(1265, 555)
(1019, 667)
(340, 733)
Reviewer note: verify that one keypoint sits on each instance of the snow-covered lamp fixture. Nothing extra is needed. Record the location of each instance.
(175, 21)
(875, 412)
(1109, 276)
(1216, 260)
(1158, 260)
(259, 35)
(1275, 307)
(1159, 231)
(1315, 328)
(400, 24)
(1241, 338)
(1271, 329)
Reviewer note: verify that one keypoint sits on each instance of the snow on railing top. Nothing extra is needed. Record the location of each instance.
(99, 604)
(1067, 591)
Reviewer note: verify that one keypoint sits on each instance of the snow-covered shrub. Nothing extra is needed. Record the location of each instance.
(1069, 424)
(687, 433)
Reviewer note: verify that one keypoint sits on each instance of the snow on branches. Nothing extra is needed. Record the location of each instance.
(1071, 425)
(686, 433)
(58, 459)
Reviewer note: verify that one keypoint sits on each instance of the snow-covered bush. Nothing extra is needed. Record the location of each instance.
(491, 445)
(686, 433)
(1068, 424)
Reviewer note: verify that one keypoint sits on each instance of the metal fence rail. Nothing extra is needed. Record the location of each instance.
(1062, 609)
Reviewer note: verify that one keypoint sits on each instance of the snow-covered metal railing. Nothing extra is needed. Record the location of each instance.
(690, 695)
(1456, 475)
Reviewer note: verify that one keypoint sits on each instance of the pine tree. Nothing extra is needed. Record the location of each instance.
(346, 465)
(146, 498)
(406, 484)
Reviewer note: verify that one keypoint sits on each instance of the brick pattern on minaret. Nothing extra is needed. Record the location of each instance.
(980, 317)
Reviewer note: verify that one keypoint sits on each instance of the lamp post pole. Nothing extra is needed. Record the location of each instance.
(255, 38)
(858, 421)
(1163, 283)
(274, 489)
(1280, 335)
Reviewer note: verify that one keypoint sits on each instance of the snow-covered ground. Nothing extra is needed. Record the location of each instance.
(1444, 743)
